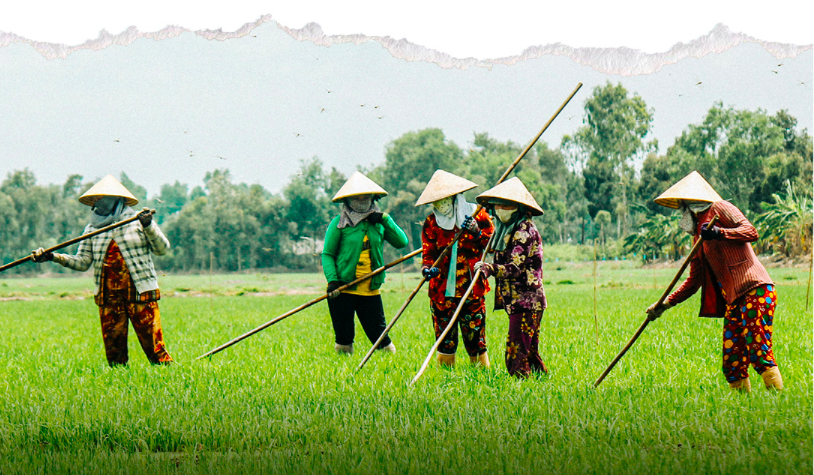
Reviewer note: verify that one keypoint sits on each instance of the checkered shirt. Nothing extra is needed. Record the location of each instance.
(135, 244)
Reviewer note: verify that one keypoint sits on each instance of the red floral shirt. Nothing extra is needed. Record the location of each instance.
(435, 239)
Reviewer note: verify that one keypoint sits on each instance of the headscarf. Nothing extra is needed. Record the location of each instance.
(460, 210)
(108, 210)
(687, 222)
(502, 230)
(351, 217)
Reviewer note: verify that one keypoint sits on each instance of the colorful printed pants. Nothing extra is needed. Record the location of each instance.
(522, 344)
(472, 321)
(147, 324)
(748, 333)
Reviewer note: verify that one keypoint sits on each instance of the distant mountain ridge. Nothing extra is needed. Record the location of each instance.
(622, 61)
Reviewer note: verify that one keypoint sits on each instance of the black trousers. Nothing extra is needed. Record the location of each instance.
(370, 311)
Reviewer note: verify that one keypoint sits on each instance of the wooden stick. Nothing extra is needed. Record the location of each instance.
(458, 236)
(308, 304)
(808, 288)
(596, 318)
(661, 300)
(73, 241)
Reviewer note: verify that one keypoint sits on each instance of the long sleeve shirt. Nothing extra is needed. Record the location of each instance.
(434, 239)
(726, 268)
(135, 243)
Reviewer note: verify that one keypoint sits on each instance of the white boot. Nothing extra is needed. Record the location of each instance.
(344, 349)
(391, 348)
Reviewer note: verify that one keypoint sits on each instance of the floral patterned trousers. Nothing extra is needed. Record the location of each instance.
(748, 333)
(522, 344)
(472, 321)
(118, 304)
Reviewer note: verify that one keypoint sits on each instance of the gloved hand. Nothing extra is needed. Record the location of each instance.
(471, 226)
(332, 286)
(39, 255)
(430, 272)
(145, 217)
(484, 267)
(710, 234)
(376, 217)
(655, 312)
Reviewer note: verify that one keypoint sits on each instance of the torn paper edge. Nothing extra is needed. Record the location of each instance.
(619, 61)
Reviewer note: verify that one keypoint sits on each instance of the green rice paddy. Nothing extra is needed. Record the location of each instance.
(283, 402)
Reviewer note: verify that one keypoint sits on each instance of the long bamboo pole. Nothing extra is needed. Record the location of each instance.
(661, 300)
(308, 304)
(454, 318)
(73, 241)
(460, 233)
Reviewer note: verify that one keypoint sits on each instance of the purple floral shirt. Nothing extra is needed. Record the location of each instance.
(518, 271)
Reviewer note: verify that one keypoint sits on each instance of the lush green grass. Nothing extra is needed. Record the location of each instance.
(283, 402)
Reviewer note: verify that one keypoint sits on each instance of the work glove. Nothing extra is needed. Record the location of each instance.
(376, 217)
(430, 272)
(39, 255)
(710, 234)
(471, 226)
(332, 288)
(145, 217)
(484, 267)
(655, 312)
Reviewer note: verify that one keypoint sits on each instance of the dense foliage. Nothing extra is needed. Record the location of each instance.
(598, 184)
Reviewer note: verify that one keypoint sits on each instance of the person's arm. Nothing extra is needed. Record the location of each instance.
(519, 247)
(159, 243)
(393, 233)
(330, 249)
(486, 227)
(690, 285)
(733, 225)
(83, 258)
(429, 245)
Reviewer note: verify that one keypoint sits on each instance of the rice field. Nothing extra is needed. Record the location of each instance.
(283, 402)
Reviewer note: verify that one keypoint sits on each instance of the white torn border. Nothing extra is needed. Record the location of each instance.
(621, 61)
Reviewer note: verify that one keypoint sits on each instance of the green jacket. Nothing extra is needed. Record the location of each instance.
(342, 248)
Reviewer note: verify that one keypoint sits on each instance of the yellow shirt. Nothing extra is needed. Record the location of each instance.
(363, 267)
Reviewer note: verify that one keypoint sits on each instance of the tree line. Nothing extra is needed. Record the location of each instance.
(596, 186)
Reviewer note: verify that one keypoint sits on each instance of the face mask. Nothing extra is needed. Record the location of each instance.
(443, 206)
(687, 222)
(361, 203)
(105, 205)
(504, 215)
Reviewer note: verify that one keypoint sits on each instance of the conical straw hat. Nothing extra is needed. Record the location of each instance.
(443, 184)
(107, 186)
(691, 187)
(356, 185)
(511, 190)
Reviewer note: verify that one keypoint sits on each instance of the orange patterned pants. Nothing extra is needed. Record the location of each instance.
(118, 303)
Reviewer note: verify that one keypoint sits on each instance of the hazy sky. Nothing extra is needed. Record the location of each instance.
(173, 109)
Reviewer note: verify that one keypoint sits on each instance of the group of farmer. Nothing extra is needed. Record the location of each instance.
(463, 245)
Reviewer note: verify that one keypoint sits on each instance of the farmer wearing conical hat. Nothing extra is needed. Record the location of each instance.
(518, 272)
(734, 284)
(126, 282)
(449, 281)
(353, 247)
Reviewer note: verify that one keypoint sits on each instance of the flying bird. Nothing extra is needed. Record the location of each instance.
(297, 135)
(361, 105)
(774, 71)
(222, 158)
(698, 83)
(329, 91)
(116, 140)
(375, 107)
(323, 110)
(381, 117)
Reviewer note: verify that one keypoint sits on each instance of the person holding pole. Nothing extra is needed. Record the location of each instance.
(518, 273)
(353, 247)
(734, 284)
(126, 282)
(453, 275)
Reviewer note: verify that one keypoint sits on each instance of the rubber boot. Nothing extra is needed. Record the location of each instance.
(743, 386)
(772, 379)
(481, 360)
(446, 360)
(391, 348)
(344, 349)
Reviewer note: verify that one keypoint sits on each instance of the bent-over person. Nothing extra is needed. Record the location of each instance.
(734, 284)
(126, 282)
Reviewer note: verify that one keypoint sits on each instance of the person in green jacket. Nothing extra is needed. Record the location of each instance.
(353, 248)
